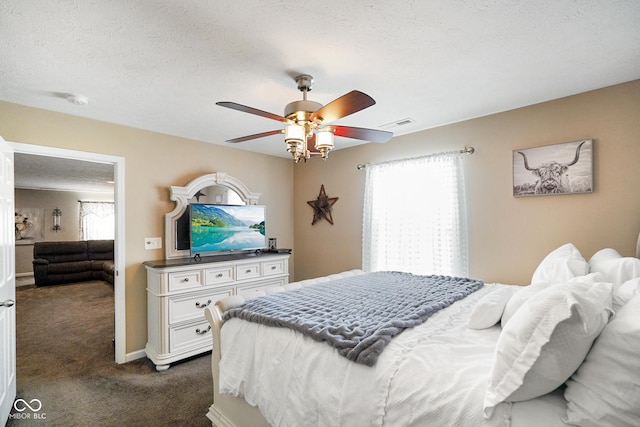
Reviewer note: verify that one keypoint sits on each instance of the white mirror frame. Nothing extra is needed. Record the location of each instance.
(182, 195)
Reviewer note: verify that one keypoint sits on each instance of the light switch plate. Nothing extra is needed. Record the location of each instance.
(152, 243)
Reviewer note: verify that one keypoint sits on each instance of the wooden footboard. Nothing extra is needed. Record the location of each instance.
(226, 410)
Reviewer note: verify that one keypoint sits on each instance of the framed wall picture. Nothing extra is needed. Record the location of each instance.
(30, 224)
(565, 168)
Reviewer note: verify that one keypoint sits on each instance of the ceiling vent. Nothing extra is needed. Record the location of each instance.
(398, 123)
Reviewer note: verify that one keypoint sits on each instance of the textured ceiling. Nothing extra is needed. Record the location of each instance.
(161, 65)
(54, 173)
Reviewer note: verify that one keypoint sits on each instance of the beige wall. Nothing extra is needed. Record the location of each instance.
(508, 236)
(47, 200)
(153, 162)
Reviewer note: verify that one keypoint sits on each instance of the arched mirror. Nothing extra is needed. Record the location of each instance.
(217, 188)
(215, 194)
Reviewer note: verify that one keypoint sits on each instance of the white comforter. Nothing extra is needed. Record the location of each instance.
(431, 375)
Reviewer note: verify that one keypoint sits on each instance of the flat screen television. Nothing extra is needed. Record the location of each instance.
(223, 229)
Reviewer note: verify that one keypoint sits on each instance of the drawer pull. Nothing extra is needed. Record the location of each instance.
(186, 279)
(203, 305)
(219, 275)
(273, 267)
(248, 271)
(199, 332)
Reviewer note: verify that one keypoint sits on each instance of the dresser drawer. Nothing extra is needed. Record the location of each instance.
(191, 307)
(271, 268)
(248, 271)
(192, 335)
(261, 285)
(219, 276)
(185, 280)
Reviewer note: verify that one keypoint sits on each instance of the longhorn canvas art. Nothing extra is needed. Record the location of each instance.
(565, 168)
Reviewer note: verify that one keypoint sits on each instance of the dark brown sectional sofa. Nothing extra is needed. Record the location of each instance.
(61, 262)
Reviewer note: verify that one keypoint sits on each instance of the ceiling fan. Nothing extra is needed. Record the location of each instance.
(307, 131)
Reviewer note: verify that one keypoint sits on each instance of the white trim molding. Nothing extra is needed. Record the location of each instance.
(119, 242)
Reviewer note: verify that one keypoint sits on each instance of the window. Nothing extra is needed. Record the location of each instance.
(415, 216)
(97, 220)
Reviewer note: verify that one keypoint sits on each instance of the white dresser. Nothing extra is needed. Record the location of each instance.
(178, 290)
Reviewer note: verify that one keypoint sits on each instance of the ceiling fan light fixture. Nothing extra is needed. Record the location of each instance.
(304, 119)
(324, 143)
(295, 136)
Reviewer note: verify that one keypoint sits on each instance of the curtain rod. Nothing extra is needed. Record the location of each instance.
(465, 150)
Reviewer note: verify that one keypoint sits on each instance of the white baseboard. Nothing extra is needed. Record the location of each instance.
(139, 354)
(24, 279)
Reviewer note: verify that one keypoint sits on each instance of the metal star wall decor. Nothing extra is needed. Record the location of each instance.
(322, 206)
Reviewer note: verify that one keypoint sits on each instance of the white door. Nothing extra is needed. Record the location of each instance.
(7, 284)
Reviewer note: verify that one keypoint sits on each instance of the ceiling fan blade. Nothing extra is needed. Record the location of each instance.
(350, 103)
(372, 135)
(255, 136)
(251, 110)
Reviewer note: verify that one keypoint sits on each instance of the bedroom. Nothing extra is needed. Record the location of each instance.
(505, 239)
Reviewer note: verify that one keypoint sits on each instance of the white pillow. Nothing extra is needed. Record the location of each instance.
(519, 298)
(546, 341)
(623, 293)
(488, 310)
(561, 265)
(605, 389)
(528, 291)
(616, 270)
(603, 255)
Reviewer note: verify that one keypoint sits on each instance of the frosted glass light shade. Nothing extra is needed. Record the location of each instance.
(324, 140)
(293, 133)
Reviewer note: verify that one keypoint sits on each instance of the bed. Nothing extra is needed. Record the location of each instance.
(561, 351)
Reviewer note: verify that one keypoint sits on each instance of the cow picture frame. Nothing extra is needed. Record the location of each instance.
(565, 168)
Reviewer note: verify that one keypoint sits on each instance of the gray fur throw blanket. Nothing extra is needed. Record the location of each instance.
(358, 315)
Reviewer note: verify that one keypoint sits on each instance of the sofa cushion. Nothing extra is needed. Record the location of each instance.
(56, 252)
(69, 267)
(97, 268)
(109, 267)
(108, 271)
(68, 272)
(97, 265)
(100, 249)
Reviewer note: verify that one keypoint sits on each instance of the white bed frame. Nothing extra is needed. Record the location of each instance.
(227, 410)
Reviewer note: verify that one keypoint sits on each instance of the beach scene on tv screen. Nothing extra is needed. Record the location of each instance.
(227, 228)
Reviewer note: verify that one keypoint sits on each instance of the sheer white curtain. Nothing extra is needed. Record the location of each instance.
(415, 216)
(97, 220)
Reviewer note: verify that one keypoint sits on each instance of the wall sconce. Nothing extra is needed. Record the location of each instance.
(56, 214)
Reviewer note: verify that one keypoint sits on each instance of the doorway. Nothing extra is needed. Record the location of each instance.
(119, 240)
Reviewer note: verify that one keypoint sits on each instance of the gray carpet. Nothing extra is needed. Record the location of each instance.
(65, 359)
